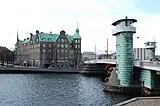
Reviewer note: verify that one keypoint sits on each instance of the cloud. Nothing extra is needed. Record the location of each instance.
(94, 17)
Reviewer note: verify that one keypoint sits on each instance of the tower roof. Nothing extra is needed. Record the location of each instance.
(121, 20)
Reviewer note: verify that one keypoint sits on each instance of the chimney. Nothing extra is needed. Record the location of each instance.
(51, 32)
(62, 32)
(37, 31)
(31, 34)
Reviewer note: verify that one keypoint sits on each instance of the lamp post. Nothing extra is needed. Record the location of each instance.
(107, 48)
(33, 50)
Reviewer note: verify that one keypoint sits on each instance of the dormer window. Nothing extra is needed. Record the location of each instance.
(49, 39)
(43, 39)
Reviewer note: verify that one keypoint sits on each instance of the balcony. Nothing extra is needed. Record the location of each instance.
(120, 29)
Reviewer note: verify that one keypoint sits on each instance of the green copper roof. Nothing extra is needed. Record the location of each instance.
(26, 41)
(20, 42)
(77, 36)
(70, 38)
(47, 37)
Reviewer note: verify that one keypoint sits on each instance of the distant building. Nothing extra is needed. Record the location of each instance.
(139, 53)
(44, 49)
(88, 56)
(105, 56)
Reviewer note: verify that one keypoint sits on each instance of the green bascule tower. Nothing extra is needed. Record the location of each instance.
(150, 50)
(124, 31)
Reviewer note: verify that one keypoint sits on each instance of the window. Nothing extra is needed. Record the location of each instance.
(62, 45)
(62, 50)
(49, 39)
(79, 46)
(79, 51)
(58, 45)
(65, 40)
(50, 50)
(44, 45)
(37, 40)
(79, 41)
(43, 39)
(44, 50)
(66, 46)
(66, 51)
(76, 41)
(75, 46)
(62, 58)
(50, 45)
(58, 51)
(66, 57)
(62, 40)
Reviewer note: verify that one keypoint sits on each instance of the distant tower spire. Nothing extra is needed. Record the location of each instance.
(77, 24)
(77, 29)
(17, 36)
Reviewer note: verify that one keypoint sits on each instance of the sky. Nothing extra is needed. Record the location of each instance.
(94, 19)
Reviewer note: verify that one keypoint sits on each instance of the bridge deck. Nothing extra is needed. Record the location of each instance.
(146, 64)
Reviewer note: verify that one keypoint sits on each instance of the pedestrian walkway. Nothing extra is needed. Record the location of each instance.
(141, 101)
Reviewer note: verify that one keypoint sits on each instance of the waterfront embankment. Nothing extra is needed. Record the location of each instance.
(29, 70)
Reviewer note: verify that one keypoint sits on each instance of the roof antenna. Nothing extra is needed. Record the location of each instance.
(77, 24)
(153, 38)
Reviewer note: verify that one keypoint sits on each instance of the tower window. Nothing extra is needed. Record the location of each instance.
(79, 41)
(62, 40)
(65, 40)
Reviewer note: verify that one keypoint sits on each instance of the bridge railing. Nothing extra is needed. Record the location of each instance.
(101, 61)
(143, 63)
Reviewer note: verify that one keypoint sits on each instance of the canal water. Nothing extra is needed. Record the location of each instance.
(54, 90)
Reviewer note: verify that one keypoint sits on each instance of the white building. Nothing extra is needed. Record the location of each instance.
(139, 53)
(88, 56)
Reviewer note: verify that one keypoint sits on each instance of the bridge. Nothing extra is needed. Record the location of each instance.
(129, 72)
(144, 64)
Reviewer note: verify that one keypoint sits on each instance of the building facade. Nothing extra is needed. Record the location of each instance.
(139, 53)
(88, 56)
(45, 49)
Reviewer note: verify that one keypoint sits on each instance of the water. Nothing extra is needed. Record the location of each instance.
(54, 90)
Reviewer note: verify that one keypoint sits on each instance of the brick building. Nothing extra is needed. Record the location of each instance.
(45, 49)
